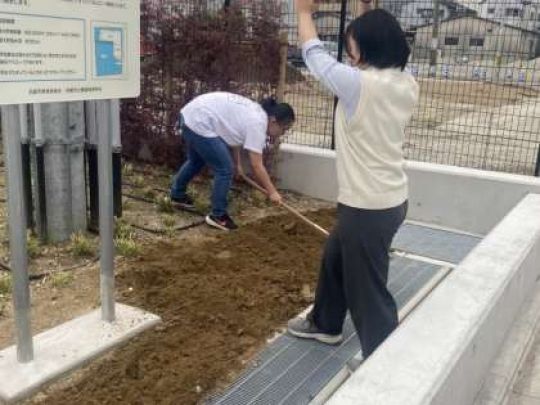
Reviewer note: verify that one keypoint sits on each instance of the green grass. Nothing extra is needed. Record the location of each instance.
(202, 206)
(33, 246)
(5, 291)
(164, 204)
(123, 230)
(82, 246)
(138, 181)
(62, 279)
(5, 285)
(149, 193)
(124, 239)
(127, 169)
(168, 221)
(200, 198)
(127, 247)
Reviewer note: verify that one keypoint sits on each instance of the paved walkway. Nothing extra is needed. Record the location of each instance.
(514, 376)
(526, 389)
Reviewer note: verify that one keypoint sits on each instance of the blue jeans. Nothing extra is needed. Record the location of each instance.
(202, 151)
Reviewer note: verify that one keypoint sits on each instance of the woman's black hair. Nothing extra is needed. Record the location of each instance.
(282, 112)
(380, 40)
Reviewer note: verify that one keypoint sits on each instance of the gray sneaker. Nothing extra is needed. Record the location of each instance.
(305, 328)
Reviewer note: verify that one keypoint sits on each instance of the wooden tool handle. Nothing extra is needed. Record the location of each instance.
(287, 207)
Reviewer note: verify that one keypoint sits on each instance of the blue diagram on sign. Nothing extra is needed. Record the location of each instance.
(109, 48)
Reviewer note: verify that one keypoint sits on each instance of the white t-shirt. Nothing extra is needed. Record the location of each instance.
(237, 120)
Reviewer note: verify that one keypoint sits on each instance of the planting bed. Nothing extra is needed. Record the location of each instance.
(220, 297)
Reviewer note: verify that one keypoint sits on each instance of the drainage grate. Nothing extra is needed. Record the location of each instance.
(293, 371)
(434, 243)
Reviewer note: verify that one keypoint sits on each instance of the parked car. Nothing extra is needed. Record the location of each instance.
(294, 56)
(294, 53)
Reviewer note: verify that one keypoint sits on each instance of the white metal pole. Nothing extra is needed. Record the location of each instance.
(23, 120)
(17, 232)
(115, 125)
(106, 218)
(38, 125)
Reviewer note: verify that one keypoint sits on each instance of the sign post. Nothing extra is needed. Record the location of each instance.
(17, 233)
(106, 217)
(61, 51)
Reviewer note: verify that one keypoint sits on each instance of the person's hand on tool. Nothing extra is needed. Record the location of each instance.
(239, 173)
(276, 198)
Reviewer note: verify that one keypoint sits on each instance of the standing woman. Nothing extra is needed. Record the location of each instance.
(376, 101)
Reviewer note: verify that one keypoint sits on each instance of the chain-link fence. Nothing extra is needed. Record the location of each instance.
(477, 66)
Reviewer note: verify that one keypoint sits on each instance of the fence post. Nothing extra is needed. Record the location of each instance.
(342, 21)
(434, 40)
(283, 50)
(537, 168)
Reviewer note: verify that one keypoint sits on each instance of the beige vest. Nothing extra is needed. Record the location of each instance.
(369, 145)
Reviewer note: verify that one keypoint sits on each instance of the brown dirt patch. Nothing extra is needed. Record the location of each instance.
(220, 300)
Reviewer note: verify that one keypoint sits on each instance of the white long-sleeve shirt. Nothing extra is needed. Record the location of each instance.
(374, 107)
(344, 81)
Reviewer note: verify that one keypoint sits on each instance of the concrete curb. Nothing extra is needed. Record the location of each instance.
(504, 371)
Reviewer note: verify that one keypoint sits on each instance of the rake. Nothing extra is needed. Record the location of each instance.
(288, 207)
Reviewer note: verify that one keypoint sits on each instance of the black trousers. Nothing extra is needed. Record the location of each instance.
(354, 274)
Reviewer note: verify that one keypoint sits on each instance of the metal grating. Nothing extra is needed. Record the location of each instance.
(293, 371)
(434, 243)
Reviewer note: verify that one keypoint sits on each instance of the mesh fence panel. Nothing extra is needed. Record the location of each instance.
(313, 103)
(476, 64)
(477, 67)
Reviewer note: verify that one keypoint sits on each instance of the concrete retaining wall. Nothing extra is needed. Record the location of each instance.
(464, 199)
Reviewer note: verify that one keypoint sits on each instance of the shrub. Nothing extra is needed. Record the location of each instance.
(190, 48)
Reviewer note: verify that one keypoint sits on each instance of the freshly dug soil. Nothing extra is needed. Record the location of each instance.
(220, 300)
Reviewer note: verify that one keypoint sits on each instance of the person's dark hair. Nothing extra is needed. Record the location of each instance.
(380, 39)
(282, 112)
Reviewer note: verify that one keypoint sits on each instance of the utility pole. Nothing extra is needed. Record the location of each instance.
(434, 39)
